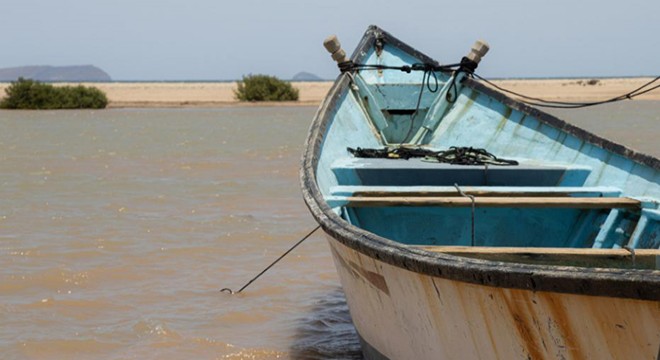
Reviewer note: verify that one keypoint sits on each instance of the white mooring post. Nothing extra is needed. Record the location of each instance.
(479, 49)
(331, 43)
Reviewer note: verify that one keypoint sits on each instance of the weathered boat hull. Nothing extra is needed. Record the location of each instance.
(401, 314)
(411, 303)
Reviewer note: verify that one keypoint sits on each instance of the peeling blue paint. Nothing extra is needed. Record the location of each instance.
(478, 120)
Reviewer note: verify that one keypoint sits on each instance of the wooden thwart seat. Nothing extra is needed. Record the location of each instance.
(583, 257)
(490, 201)
(501, 191)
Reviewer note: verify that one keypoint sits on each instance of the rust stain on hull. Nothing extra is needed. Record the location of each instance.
(375, 279)
(558, 318)
(425, 317)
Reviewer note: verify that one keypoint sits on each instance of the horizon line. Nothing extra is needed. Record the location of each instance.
(320, 80)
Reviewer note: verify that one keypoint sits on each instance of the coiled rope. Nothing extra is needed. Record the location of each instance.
(455, 155)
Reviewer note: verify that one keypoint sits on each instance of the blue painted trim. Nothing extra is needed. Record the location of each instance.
(605, 237)
(559, 124)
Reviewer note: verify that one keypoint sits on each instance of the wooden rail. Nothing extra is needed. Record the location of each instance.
(518, 202)
(443, 191)
(581, 257)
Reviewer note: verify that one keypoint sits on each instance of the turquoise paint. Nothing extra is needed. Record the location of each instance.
(477, 120)
(438, 109)
(418, 172)
(647, 231)
(607, 236)
(394, 57)
(493, 226)
(397, 105)
(585, 229)
(371, 103)
(403, 96)
(400, 126)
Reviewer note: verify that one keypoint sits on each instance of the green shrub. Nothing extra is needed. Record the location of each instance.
(265, 88)
(30, 94)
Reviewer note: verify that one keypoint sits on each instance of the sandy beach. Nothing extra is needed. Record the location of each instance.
(221, 94)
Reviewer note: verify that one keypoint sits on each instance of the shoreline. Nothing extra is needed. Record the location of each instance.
(207, 104)
(221, 94)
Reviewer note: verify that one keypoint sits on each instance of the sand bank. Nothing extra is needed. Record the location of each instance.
(172, 94)
(576, 90)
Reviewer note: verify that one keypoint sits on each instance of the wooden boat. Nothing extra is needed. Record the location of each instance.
(556, 257)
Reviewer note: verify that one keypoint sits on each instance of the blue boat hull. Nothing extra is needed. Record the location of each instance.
(403, 224)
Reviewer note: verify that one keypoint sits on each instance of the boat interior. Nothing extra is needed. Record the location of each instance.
(564, 193)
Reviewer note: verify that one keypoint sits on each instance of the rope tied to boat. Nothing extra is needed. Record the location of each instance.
(471, 197)
(468, 67)
(350, 66)
(232, 292)
(455, 155)
(534, 101)
(631, 250)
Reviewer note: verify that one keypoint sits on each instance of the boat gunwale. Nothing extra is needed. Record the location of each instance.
(622, 283)
(562, 125)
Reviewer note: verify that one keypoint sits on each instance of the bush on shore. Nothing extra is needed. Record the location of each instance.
(30, 94)
(265, 88)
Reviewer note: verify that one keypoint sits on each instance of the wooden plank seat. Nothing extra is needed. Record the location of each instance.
(582, 257)
(527, 191)
(528, 197)
(489, 201)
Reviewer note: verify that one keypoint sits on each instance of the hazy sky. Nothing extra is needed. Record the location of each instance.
(223, 40)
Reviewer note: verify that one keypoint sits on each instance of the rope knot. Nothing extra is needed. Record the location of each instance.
(346, 66)
(468, 65)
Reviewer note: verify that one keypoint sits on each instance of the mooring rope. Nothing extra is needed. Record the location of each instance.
(351, 66)
(426, 80)
(468, 67)
(471, 197)
(631, 250)
(573, 105)
(230, 291)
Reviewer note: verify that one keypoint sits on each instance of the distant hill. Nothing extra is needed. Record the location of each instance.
(305, 76)
(74, 73)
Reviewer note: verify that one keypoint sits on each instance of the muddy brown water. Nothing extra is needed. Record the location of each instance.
(119, 227)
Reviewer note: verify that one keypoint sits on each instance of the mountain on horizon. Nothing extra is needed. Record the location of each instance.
(74, 73)
(305, 76)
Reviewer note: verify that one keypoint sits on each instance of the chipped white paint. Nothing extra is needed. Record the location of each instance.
(406, 315)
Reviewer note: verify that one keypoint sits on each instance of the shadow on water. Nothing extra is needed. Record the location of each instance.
(327, 331)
